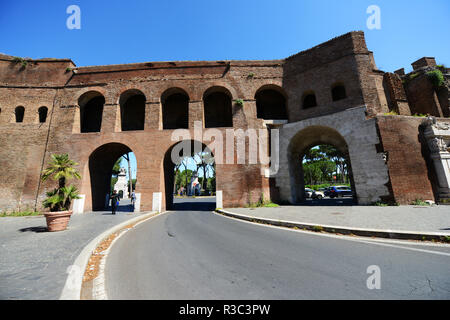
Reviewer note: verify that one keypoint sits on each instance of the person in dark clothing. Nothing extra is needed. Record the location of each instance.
(114, 201)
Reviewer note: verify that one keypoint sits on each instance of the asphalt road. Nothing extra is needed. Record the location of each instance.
(194, 254)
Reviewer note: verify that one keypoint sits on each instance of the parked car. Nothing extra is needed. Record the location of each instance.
(340, 191)
(326, 191)
(318, 195)
(308, 192)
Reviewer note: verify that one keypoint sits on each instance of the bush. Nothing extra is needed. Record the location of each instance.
(436, 77)
(420, 202)
(20, 60)
(316, 187)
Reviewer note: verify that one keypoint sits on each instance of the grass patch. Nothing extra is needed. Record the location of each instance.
(420, 202)
(385, 204)
(262, 203)
(420, 115)
(270, 205)
(391, 113)
(317, 228)
(25, 213)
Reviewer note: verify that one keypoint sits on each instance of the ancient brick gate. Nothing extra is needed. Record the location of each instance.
(332, 93)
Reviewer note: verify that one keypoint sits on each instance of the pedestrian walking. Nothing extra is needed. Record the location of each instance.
(114, 201)
(133, 198)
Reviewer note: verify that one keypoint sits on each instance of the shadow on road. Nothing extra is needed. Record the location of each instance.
(34, 229)
(194, 204)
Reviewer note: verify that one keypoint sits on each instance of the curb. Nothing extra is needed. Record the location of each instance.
(74, 281)
(390, 234)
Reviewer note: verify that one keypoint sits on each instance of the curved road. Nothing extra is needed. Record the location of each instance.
(194, 254)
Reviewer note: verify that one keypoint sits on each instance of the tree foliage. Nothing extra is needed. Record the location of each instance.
(322, 163)
(61, 169)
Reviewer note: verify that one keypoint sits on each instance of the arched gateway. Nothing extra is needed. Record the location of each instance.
(348, 131)
(101, 163)
(174, 157)
(332, 93)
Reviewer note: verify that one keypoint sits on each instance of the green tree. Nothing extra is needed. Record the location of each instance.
(116, 167)
(321, 162)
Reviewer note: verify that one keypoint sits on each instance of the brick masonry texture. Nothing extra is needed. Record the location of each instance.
(411, 176)
(362, 133)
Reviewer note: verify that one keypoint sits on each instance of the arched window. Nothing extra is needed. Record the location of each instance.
(309, 100)
(91, 111)
(132, 110)
(175, 109)
(20, 113)
(270, 104)
(217, 108)
(42, 114)
(338, 92)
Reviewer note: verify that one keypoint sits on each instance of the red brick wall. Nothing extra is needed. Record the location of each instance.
(47, 83)
(396, 94)
(422, 98)
(411, 174)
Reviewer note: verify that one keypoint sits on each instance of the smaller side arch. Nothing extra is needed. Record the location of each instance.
(304, 140)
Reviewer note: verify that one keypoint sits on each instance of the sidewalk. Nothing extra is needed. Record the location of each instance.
(403, 222)
(33, 262)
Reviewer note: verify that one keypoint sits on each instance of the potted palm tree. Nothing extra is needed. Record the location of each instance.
(58, 200)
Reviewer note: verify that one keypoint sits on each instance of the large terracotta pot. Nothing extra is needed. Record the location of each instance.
(57, 221)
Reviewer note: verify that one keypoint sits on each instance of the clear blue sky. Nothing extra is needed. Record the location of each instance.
(119, 31)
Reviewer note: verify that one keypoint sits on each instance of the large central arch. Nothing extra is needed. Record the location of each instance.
(169, 166)
(101, 162)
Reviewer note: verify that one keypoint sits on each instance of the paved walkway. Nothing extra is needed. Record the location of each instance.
(33, 262)
(399, 218)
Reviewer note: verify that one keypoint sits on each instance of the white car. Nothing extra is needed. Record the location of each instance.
(318, 195)
(308, 192)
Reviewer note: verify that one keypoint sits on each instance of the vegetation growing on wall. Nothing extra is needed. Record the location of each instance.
(436, 77)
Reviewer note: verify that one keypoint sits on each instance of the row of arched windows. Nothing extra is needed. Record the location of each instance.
(217, 108)
(337, 93)
(19, 114)
(217, 101)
